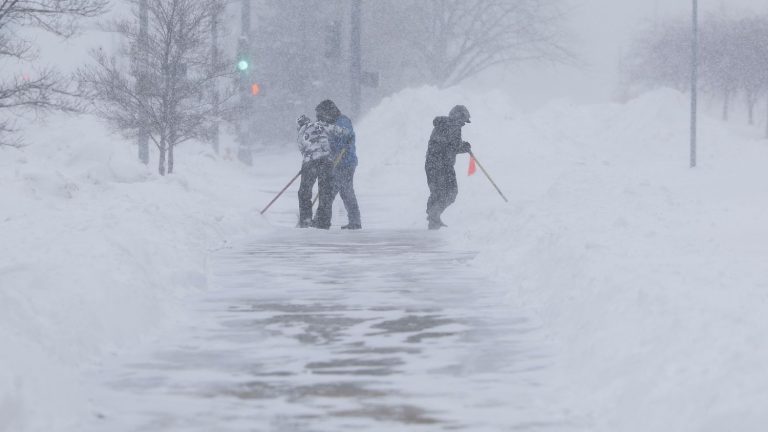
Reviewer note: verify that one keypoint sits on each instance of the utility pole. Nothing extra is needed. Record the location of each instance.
(142, 84)
(244, 85)
(245, 23)
(356, 63)
(694, 80)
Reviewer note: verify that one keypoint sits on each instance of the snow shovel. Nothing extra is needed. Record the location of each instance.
(281, 192)
(472, 155)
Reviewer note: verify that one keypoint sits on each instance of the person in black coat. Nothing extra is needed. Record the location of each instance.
(444, 144)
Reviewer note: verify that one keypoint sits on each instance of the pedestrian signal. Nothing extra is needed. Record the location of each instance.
(255, 89)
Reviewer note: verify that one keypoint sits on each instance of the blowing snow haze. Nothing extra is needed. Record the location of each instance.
(519, 242)
(600, 33)
(597, 32)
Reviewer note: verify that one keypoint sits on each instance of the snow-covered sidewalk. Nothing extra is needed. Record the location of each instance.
(380, 330)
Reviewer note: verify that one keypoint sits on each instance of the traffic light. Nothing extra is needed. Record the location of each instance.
(243, 55)
(246, 85)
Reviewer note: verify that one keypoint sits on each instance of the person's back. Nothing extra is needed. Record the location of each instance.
(313, 140)
(444, 143)
(345, 153)
(345, 144)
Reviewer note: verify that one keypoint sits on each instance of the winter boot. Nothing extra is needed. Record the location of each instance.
(352, 226)
(315, 224)
(435, 223)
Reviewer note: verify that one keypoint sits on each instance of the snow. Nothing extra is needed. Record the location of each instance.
(649, 277)
(96, 253)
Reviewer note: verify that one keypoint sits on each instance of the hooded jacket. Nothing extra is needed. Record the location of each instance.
(339, 143)
(444, 144)
(314, 139)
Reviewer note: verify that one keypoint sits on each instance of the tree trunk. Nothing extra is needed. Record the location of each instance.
(141, 84)
(161, 166)
(170, 158)
(752, 98)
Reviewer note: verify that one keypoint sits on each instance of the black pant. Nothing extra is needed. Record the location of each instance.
(343, 184)
(319, 170)
(443, 190)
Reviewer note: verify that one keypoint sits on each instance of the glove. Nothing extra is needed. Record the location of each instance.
(466, 147)
(302, 120)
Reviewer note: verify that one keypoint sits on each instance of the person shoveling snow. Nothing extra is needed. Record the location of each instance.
(444, 144)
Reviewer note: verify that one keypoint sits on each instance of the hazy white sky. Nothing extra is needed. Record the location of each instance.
(602, 30)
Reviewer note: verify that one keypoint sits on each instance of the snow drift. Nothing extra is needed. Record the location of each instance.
(95, 253)
(649, 276)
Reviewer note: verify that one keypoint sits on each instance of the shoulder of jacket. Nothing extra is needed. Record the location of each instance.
(344, 122)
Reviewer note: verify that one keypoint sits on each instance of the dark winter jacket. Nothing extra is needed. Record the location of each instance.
(444, 144)
(339, 143)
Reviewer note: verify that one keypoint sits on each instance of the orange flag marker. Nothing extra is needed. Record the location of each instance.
(472, 166)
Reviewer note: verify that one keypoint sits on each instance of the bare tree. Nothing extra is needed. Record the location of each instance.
(751, 59)
(45, 90)
(718, 57)
(660, 56)
(461, 38)
(167, 89)
(734, 59)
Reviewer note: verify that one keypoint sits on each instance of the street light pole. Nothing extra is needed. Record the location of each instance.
(244, 116)
(356, 62)
(694, 80)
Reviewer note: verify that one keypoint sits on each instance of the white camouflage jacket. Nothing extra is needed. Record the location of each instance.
(313, 139)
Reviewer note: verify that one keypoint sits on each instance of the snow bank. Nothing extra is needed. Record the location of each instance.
(97, 253)
(651, 276)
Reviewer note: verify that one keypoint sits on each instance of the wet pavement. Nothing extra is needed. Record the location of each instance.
(311, 331)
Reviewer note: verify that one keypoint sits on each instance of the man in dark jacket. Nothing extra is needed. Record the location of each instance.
(444, 144)
(344, 155)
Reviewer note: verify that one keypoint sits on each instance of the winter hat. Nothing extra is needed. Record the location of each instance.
(460, 113)
(327, 111)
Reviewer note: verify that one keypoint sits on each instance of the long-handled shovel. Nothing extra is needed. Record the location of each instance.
(472, 155)
(281, 192)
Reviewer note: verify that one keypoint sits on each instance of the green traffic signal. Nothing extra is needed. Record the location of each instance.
(242, 65)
